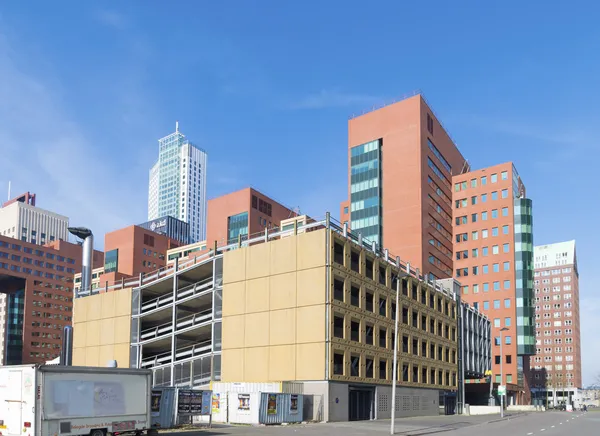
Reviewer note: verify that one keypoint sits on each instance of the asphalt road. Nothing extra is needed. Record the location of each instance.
(533, 424)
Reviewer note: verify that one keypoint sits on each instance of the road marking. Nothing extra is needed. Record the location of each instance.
(543, 429)
(561, 423)
(529, 434)
(552, 427)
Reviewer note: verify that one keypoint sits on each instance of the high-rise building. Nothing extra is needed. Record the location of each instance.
(400, 165)
(493, 260)
(557, 361)
(36, 286)
(177, 184)
(22, 220)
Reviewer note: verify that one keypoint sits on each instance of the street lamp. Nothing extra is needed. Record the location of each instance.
(502, 373)
(395, 365)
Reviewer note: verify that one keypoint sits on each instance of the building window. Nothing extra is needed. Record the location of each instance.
(494, 178)
(506, 266)
(505, 193)
(474, 235)
(496, 322)
(486, 287)
(484, 216)
(495, 195)
(111, 260)
(495, 249)
(430, 124)
(505, 230)
(507, 303)
(496, 286)
(237, 225)
(494, 231)
(484, 180)
(505, 211)
(473, 183)
(505, 248)
(507, 322)
(494, 213)
(496, 267)
(338, 364)
(506, 284)
(474, 200)
(504, 175)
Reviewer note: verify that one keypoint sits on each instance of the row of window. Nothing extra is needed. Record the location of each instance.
(464, 237)
(553, 272)
(485, 287)
(567, 313)
(568, 323)
(379, 305)
(475, 217)
(464, 272)
(551, 350)
(36, 273)
(554, 288)
(46, 325)
(350, 329)
(461, 186)
(37, 252)
(356, 365)
(483, 198)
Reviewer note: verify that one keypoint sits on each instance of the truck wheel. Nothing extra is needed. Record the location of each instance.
(98, 432)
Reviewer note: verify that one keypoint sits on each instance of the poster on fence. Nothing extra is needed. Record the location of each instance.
(243, 401)
(196, 402)
(183, 402)
(272, 404)
(293, 404)
(216, 403)
(155, 404)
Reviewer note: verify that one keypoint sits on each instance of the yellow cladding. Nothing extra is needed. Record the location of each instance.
(276, 301)
(102, 329)
(274, 310)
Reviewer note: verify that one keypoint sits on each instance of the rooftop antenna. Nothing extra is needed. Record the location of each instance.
(9, 190)
(176, 126)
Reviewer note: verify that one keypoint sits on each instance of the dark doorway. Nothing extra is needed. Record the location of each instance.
(361, 404)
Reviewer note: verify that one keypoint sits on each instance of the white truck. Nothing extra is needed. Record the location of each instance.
(56, 400)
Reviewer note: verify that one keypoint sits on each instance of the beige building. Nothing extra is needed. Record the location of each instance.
(308, 304)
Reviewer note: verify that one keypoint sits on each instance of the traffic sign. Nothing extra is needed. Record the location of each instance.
(502, 390)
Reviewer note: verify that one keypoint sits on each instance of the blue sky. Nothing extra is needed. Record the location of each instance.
(266, 87)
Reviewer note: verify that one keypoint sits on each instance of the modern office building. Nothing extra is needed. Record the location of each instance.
(400, 166)
(241, 213)
(22, 220)
(36, 283)
(308, 305)
(177, 184)
(130, 251)
(171, 227)
(493, 260)
(557, 361)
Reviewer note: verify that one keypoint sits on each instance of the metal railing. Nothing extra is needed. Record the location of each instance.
(274, 234)
(165, 329)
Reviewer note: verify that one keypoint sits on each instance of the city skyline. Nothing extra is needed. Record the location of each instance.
(510, 108)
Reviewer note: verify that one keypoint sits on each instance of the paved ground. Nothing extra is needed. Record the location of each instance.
(533, 424)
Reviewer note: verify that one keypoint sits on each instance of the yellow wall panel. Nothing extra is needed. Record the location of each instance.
(310, 324)
(232, 365)
(234, 299)
(233, 332)
(311, 249)
(256, 364)
(106, 304)
(122, 330)
(311, 287)
(78, 356)
(121, 354)
(234, 266)
(79, 336)
(282, 363)
(257, 295)
(93, 333)
(310, 361)
(258, 263)
(282, 291)
(91, 356)
(107, 331)
(106, 353)
(122, 302)
(256, 329)
(283, 256)
(282, 326)
(80, 309)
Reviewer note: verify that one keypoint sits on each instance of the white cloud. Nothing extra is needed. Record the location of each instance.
(334, 98)
(111, 18)
(45, 150)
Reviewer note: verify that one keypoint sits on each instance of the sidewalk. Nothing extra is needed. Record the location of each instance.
(417, 426)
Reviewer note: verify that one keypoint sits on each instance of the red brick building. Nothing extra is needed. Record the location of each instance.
(36, 294)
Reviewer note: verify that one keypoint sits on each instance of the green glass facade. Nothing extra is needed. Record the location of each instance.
(366, 191)
(523, 216)
(237, 225)
(14, 327)
(111, 261)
